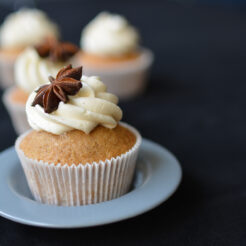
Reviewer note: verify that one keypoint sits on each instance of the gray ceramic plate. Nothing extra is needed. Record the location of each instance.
(157, 176)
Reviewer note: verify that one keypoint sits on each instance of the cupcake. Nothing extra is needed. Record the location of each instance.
(32, 68)
(110, 48)
(78, 152)
(19, 30)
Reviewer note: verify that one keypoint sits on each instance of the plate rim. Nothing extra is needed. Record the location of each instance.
(116, 219)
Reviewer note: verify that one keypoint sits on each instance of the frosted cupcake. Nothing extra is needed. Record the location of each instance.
(19, 30)
(110, 49)
(77, 153)
(32, 68)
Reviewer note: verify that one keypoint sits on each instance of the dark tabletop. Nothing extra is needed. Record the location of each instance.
(195, 106)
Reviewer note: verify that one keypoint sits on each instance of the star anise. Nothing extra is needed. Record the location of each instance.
(55, 50)
(67, 82)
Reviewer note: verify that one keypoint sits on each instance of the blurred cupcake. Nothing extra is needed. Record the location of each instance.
(19, 30)
(78, 152)
(110, 49)
(32, 68)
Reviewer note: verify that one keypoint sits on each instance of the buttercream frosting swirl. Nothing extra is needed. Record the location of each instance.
(31, 70)
(109, 35)
(90, 107)
(26, 27)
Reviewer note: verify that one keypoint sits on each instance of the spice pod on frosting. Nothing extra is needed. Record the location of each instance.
(32, 69)
(78, 152)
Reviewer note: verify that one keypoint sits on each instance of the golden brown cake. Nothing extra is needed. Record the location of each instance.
(111, 49)
(19, 96)
(7, 60)
(32, 68)
(78, 152)
(10, 54)
(76, 147)
(105, 61)
(19, 30)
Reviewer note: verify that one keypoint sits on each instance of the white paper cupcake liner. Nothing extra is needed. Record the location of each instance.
(6, 72)
(77, 185)
(16, 112)
(127, 80)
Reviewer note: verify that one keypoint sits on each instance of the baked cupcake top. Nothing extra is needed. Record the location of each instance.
(26, 27)
(109, 35)
(69, 102)
(35, 64)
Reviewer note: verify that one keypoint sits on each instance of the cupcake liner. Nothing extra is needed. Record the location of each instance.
(126, 80)
(7, 72)
(16, 111)
(77, 185)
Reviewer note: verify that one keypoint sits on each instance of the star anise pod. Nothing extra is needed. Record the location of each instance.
(67, 82)
(55, 50)
(63, 51)
(45, 47)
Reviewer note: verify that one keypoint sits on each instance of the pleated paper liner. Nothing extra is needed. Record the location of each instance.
(126, 80)
(77, 185)
(6, 71)
(16, 111)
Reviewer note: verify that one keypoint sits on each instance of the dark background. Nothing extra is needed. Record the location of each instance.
(195, 106)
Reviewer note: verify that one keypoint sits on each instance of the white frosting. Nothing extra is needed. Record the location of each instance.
(109, 35)
(31, 70)
(26, 27)
(90, 107)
